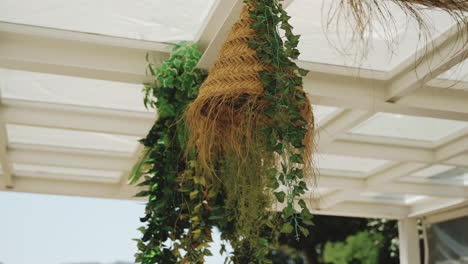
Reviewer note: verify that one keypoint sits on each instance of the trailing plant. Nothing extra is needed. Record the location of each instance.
(174, 205)
(248, 146)
(288, 109)
(252, 128)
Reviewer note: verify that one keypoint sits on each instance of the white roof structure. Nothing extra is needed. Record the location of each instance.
(392, 136)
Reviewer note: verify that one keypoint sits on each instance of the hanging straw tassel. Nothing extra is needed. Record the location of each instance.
(229, 107)
(367, 14)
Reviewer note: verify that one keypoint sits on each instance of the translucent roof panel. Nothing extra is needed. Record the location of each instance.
(66, 173)
(62, 89)
(444, 174)
(333, 45)
(70, 138)
(409, 127)
(346, 163)
(152, 20)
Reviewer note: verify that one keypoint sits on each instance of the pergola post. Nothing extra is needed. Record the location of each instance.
(409, 241)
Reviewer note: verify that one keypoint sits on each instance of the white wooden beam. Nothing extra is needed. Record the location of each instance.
(65, 177)
(340, 70)
(369, 95)
(226, 14)
(335, 198)
(378, 151)
(74, 188)
(5, 162)
(376, 106)
(67, 56)
(76, 117)
(438, 98)
(435, 205)
(357, 209)
(340, 182)
(460, 160)
(359, 185)
(409, 241)
(439, 59)
(53, 33)
(339, 125)
(394, 173)
(5, 159)
(49, 157)
(369, 210)
(452, 149)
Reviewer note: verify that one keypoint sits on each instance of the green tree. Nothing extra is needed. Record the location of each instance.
(363, 247)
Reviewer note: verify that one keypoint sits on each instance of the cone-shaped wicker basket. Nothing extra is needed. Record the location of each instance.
(236, 69)
(229, 105)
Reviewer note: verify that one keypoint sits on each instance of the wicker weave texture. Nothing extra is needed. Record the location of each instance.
(236, 69)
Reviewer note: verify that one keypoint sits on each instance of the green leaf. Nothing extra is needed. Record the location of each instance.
(303, 72)
(287, 228)
(304, 231)
(288, 211)
(280, 196)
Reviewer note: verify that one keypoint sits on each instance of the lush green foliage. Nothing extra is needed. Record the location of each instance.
(288, 127)
(182, 208)
(362, 248)
(177, 83)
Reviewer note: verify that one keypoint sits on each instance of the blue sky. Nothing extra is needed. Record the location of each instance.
(49, 229)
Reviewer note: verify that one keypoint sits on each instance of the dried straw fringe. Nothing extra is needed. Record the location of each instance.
(366, 15)
(229, 109)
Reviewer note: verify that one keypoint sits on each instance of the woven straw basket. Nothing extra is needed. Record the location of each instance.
(236, 69)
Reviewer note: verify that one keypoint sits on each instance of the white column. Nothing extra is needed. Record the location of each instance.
(409, 241)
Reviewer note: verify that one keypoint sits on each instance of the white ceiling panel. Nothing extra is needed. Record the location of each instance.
(152, 20)
(63, 89)
(408, 127)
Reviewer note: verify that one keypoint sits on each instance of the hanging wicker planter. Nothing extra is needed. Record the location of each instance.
(230, 105)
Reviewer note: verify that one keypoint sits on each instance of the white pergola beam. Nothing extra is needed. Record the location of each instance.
(359, 185)
(340, 70)
(378, 151)
(357, 209)
(226, 14)
(435, 205)
(5, 159)
(394, 173)
(7, 170)
(409, 241)
(78, 118)
(361, 94)
(335, 198)
(452, 149)
(48, 53)
(339, 125)
(369, 210)
(100, 39)
(74, 188)
(70, 160)
(438, 60)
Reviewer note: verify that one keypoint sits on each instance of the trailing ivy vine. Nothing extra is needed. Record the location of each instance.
(288, 131)
(177, 200)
